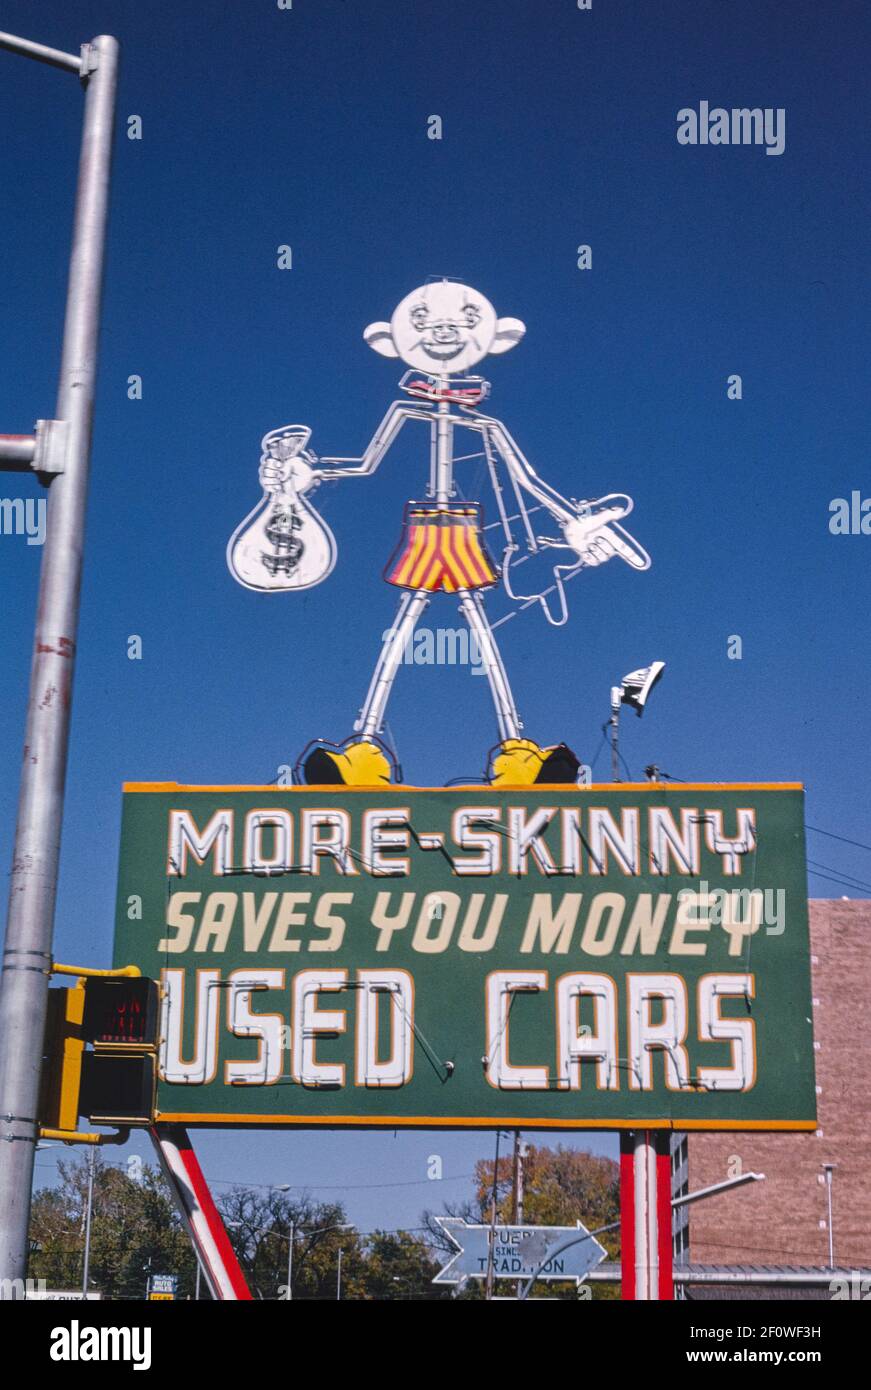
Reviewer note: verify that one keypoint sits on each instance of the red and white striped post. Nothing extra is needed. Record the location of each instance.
(645, 1216)
(202, 1218)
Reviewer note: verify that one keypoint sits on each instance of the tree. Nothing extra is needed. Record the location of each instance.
(135, 1231)
(400, 1266)
(386, 1265)
(560, 1186)
(259, 1225)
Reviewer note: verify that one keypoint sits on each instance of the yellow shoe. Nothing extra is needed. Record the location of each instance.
(356, 765)
(518, 762)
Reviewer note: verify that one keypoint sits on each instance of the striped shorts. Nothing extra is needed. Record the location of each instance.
(441, 549)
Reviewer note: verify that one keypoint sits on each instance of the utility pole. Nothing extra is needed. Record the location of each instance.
(59, 451)
(491, 1246)
(89, 1210)
(520, 1151)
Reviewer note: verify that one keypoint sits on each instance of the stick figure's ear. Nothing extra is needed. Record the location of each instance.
(380, 339)
(508, 335)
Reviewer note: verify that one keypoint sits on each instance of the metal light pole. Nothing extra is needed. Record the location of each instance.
(634, 691)
(614, 726)
(290, 1238)
(86, 1263)
(339, 1275)
(491, 1246)
(285, 1187)
(59, 450)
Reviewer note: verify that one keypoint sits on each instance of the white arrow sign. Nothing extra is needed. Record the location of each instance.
(557, 1252)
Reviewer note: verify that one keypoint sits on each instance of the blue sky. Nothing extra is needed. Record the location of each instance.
(308, 127)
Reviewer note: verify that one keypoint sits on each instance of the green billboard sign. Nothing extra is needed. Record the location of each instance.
(569, 958)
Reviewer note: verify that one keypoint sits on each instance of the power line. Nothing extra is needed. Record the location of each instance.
(863, 887)
(844, 876)
(340, 1187)
(857, 844)
(311, 1187)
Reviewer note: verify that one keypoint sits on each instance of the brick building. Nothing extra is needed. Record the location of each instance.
(784, 1220)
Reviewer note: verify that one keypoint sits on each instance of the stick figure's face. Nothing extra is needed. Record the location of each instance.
(451, 328)
(443, 327)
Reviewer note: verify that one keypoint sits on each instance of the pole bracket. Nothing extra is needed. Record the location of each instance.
(86, 972)
(10, 1137)
(76, 1136)
(90, 61)
(50, 455)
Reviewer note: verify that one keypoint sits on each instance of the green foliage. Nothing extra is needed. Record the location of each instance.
(384, 1265)
(135, 1231)
(259, 1226)
(560, 1186)
(400, 1266)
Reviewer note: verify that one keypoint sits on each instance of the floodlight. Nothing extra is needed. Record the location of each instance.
(634, 691)
(636, 687)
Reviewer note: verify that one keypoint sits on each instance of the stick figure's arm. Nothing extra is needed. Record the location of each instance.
(523, 472)
(591, 528)
(378, 446)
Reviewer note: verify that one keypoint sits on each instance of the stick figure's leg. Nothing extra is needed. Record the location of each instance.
(507, 718)
(371, 720)
(521, 762)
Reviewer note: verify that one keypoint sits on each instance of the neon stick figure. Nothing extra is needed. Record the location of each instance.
(439, 331)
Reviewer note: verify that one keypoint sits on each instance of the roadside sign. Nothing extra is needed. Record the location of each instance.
(601, 957)
(162, 1286)
(60, 1296)
(518, 1252)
